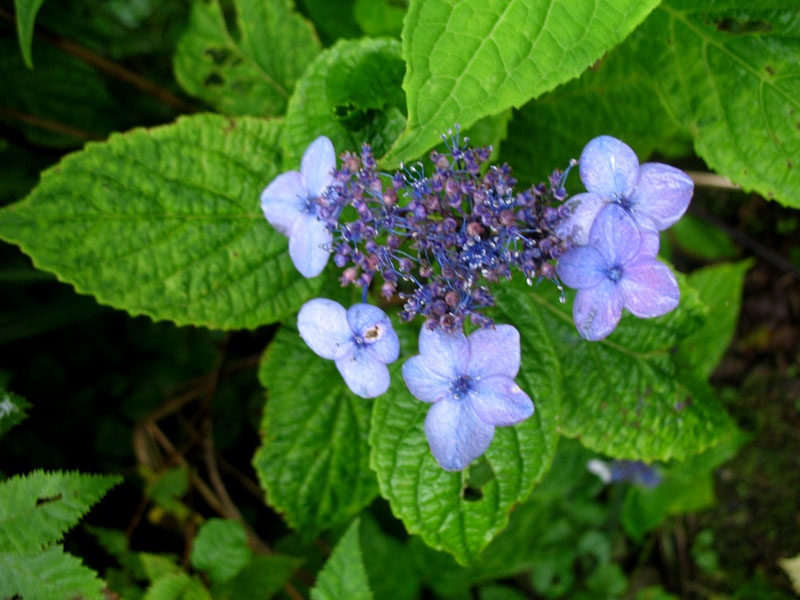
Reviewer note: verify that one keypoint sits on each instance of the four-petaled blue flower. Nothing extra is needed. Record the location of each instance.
(654, 194)
(618, 269)
(361, 340)
(470, 381)
(289, 204)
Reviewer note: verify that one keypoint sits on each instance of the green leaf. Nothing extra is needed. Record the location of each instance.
(720, 287)
(36, 509)
(261, 579)
(701, 239)
(250, 75)
(611, 98)
(350, 93)
(177, 586)
(461, 512)
(628, 396)
(50, 574)
(26, 15)
(501, 592)
(344, 576)
(401, 581)
(475, 58)
(221, 549)
(379, 17)
(333, 20)
(728, 70)
(166, 222)
(12, 410)
(313, 462)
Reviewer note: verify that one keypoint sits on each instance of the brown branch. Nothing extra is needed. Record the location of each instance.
(49, 125)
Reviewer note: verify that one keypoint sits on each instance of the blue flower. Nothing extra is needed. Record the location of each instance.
(470, 381)
(654, 194)
(361, 341)
(290, 205)
(618, 269)
(634, 471)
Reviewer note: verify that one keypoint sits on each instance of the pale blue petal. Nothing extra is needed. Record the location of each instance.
(615, 235)
(662, 194)
(374, 327)
(455, 434)
(494, 351)
(283, 201)
(364, 375)
(609, 167)
(423, 383)
(446, 354)
(597, 310)
(582, 267)
(309, 245)
(583, 211)
(649, 241)
(318, 164)
(323, 326)
(649, 289)
(498, 400)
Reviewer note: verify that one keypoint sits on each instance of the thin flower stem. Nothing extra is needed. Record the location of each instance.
(712, 180)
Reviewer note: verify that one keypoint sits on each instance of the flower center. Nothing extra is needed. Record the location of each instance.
(615, 273)
(461, 386)
(371, 335)
(623, 201)
(310, 205)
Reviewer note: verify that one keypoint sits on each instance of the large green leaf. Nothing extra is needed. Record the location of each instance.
(627, 396)
(26, 15)
(720, 287)
(351, 93)
(313, 461)
(728, 69)
(344, 576)
(250, 75)
(461, 512)
(36, 509)
(473, 58)
(51, 574)
(166, 222)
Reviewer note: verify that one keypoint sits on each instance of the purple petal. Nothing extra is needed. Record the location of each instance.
(446, 354)
(609, 167)
(455, 434)
(582, 267)
(318, 164)
(649, 241)
(374, 327)
(423, 383)
(583, 211)
(649, 289)
(363, 374)
(494, 351)
(283, 201)
(662, 194)
(498, 400)
(309, 245)
(615, 235)
(323, 326)
(597, 310)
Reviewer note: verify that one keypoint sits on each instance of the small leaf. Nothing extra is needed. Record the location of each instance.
(261, 579)
(351, 93)
(26, 15)
(720, 287)
(728, 70)
(475, 58)
(36, 509)
(166, 222)
(251, 75)
(12, 410)
(51, 574)
(221, 549)
(313, 462)
(344, 576)
(177, 586)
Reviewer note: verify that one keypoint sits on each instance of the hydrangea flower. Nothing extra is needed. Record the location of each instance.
(360, 340)
(654, 194)
(618, 269)
(289, 204)
(470, 382)
(634, 471)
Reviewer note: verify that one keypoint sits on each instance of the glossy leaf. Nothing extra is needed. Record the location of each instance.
(313, 461)
(474, 58)
(166, 222)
